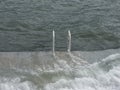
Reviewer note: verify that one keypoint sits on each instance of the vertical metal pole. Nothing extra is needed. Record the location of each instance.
(69, 41)
(53, 45)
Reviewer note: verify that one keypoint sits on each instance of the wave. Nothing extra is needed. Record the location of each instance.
(63, 72)
(92, 77)
(15, 84)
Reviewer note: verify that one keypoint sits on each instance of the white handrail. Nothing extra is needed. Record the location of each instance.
(69, 41)
(53, 44)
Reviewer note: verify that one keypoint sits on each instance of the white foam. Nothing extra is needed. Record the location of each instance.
(108, 81)
(90, 78)
(112, 57)
(15, 84)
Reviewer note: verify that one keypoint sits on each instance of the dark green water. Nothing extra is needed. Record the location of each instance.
(26, 25)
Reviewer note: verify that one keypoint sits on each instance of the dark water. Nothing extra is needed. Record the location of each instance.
(26, 25)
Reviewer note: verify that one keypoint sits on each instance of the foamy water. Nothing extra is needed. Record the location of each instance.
(65, 74)
(92, 77)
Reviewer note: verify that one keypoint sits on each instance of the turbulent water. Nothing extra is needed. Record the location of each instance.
(98, 70)
(26, 25)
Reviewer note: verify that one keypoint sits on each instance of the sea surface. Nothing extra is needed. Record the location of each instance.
(27, 25)
(26, 59)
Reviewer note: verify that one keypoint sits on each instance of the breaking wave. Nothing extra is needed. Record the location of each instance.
(64, 74)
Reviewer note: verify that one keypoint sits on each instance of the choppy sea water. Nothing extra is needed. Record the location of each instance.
(26, 25)
(99, 70)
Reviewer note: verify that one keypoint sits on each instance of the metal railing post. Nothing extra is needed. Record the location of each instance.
(53, 44)
(69, 41)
